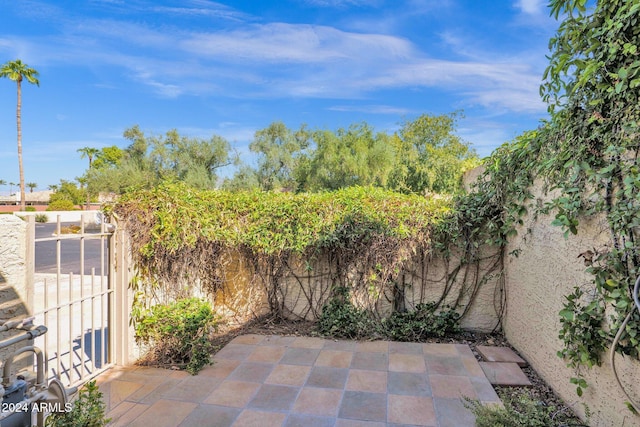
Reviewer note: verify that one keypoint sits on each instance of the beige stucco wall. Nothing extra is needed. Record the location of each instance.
(14, 295)
(304, 292)
(547, 269)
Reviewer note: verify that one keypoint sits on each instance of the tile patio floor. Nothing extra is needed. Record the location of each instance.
(300, 381)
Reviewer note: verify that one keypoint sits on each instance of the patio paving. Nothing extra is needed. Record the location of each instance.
(260, 380)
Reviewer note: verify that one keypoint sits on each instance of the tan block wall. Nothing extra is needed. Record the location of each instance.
(547, 269)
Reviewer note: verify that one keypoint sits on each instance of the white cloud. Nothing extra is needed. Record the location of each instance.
(531, 7)
(372, 109)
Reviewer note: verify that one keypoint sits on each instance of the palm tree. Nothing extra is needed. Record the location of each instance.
(3, 182)
(17, 71)
(90, 153)
(31, 186)
(11, 184)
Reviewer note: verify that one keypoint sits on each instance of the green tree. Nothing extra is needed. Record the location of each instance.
(89, 153)
(280, 151)
(347, 157)
(150, 159)
(31, 186)
(68, 191)
(430, 156)
(18, 71)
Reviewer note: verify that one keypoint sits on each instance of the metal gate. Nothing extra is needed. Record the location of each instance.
(73, 295)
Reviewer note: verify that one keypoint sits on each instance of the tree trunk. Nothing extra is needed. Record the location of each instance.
(19, 123)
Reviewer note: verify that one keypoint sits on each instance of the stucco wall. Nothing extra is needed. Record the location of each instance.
(14, 295)
(304, 292)
(547, 269)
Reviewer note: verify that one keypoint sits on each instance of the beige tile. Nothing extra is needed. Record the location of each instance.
(267, 354)
(124, 414)
(411, 410)
(221, 368)
(440, 349)
(293, 375)
(451, 386)
(232, 393)
(318, 401)
(253, 418)
(334, 358)
(308, 342)
(407, 363)
(504, 373)
(373, 347)
(164, 413)
(373, 381)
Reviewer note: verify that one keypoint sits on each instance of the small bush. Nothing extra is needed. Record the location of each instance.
(42, 218)
(341, 319)
(178, 334)
(422, 323)
(30, 209)
(88, 410)
(522, 411)
(61, 205)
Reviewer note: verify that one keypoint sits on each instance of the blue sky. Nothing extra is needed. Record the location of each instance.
(230, 68)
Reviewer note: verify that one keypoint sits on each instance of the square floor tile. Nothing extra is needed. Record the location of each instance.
(440, 349)
(274, 397)
(370, 361)
(192, 389)
(452, 413)
(504, 373)
(211, 416)
(341, 345)
(164, 413)
(221, 368)
(293, 375)
(308, 342)
(411, 410)
(451, 387)
(407, 363)
(360, 405)
(334, 358)
(253, 418)
(405, 347)
(252, 372)
(445, 365)
(266, 354)
(232, 393)
(318, 401)
(301, 420)
(324, 377)
(340, 422)
(373, 346)
(404, 383)
(372, 381)
(300, 356)
(235, 351)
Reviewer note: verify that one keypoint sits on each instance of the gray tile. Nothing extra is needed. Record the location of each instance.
(407, 383)
(326, 377)
(360, 405)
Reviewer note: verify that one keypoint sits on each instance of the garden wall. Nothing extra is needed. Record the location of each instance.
(303, 289)
(548, 267)
(15, 298)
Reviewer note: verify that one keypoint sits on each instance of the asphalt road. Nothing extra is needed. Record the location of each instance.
(69, 253)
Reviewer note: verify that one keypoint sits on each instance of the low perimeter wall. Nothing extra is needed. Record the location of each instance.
(548, 268)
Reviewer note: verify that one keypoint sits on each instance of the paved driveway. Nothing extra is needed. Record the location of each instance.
(300, 381)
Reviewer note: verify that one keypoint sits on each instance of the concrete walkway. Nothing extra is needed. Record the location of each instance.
(261, 380)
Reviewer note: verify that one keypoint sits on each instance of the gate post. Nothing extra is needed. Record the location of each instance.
(120, 311)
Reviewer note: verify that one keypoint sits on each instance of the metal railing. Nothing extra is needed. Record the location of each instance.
(76, 306)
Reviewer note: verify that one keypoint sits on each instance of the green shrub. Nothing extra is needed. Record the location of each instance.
(42, 218)
(521, 411)
(178, 334)
(30, 209)
(424, 322)
(61, 205)
(88, 410)
(341, 319)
